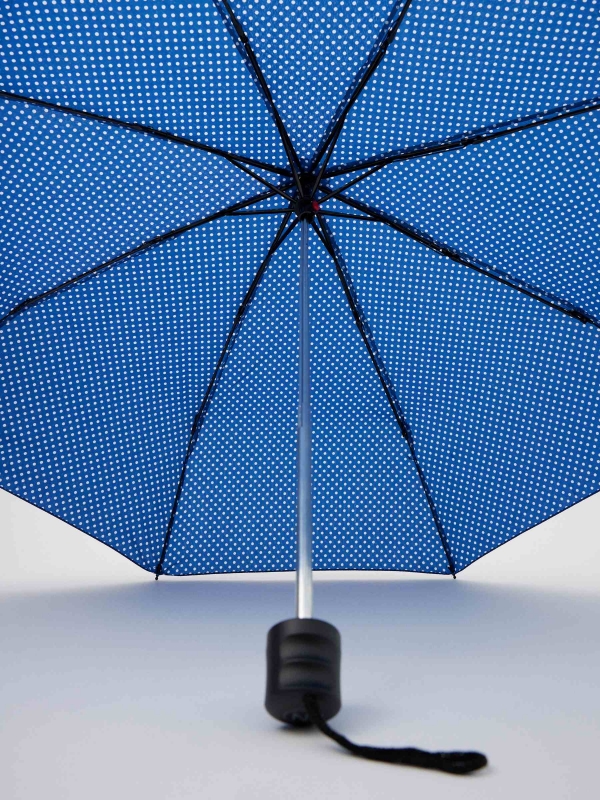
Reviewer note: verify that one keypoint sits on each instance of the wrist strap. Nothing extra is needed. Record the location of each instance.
(458, 763)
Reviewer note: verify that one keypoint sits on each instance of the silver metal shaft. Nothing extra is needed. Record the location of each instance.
(304, 583)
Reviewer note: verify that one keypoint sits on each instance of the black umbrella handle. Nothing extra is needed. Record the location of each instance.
(458, 763)
(303, 687)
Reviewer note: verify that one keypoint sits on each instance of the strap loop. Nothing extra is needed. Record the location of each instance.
(458, 763)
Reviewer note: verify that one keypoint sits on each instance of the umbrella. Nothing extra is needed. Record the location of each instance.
(301, 286)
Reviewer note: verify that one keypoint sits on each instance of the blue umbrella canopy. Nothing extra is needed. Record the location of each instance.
(157, 161)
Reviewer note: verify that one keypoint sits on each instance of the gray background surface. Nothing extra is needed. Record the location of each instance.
(113, 685)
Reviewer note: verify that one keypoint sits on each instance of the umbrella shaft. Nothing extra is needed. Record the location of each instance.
(304, 565)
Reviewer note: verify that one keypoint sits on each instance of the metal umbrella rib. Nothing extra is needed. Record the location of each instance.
(282, 233)
(461, 140)
(326, 236)
(275, 189)
(477, 265)
(245, 49)
(383, 41)
(137, 127)
(135, 251)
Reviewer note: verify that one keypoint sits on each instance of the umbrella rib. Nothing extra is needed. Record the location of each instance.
(336, 192)
(363, 76)
(347, 216)
(461, 140)
(244, 47)
(141, 248)
(145, 129)
(260, 212)
(276, 189)
(477, 265)
(326, 236)
(281, 235)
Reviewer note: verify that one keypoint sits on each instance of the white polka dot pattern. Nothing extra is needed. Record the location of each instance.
(309, 75)
(172, 66)
(371, 512)
(527, 204)
(502, 393)
(237, 510)
(104, 191)
(459, 65)
(103, 380)
(237, 513)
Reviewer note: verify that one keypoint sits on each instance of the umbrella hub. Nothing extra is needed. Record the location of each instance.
(305, 208)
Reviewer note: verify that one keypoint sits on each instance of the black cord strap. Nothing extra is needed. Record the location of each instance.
(458, 763)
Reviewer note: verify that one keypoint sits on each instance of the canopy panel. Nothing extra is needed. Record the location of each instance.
(452, 409)
(171, 65)
(237, 511)
(527, 204)
(77, 193)
(461, 65)
(310, 52)
(101, 383)
(501, 392)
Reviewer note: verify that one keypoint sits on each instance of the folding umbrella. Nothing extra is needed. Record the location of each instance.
(301, 286)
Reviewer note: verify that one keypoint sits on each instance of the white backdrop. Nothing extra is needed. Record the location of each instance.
(114, 685)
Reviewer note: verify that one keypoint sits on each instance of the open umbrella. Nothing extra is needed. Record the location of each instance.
(407, 189)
